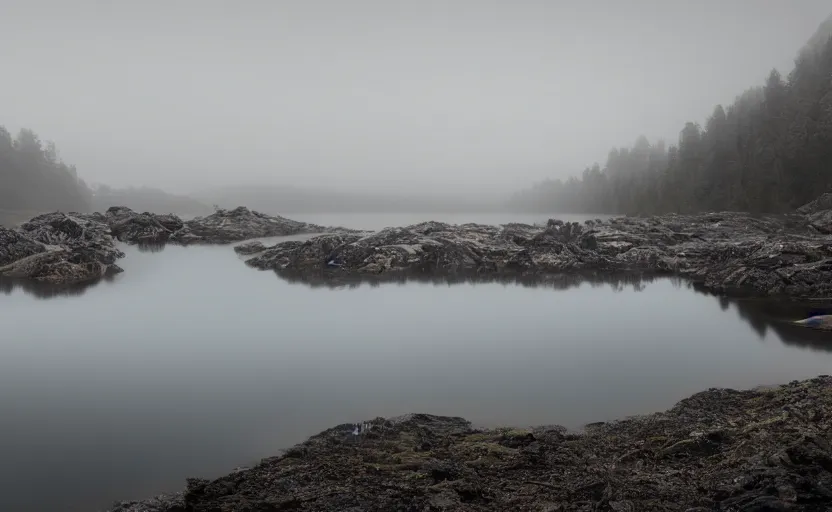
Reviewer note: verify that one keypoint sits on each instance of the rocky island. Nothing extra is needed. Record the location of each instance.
(69, 248)
(719, 450)
(726, 252)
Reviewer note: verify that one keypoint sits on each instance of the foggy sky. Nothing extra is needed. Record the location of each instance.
(384, 94)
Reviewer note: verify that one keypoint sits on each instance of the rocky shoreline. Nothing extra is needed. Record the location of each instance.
(727, 252)
(719, 450)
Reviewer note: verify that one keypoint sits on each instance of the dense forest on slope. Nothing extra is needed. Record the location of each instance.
(770, 151)
(33, 178)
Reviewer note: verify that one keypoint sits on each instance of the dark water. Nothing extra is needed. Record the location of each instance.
(190, 363)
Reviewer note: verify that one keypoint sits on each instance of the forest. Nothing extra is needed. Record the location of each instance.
(769, 151)
(33, 177)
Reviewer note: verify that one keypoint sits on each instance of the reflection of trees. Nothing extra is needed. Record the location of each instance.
(45, 290)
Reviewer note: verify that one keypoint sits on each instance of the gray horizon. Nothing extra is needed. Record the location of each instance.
(456, 97)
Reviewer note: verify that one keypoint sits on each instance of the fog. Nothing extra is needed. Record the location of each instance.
(382, 96)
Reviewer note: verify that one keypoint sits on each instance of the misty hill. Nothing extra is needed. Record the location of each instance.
(769, 151)
(146, 199)
(286, 199)
(33, 178)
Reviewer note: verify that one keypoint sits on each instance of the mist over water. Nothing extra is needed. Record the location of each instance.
(190, 364)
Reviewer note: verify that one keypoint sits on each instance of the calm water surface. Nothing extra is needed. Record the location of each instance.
(190, 363)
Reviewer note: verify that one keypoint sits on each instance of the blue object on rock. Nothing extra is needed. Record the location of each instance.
(817, 322)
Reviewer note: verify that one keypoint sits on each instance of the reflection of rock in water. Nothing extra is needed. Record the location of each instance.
(47, 291)
(779, 317)
(151, 247)
(617, 282)
(761, 315)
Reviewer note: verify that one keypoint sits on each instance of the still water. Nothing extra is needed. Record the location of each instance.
(190, 363)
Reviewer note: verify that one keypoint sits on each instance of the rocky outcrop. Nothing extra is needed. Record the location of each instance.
(726, 252)
(226, 226)
(765, 449)
(72, 248)
(60, 248)
(141, 228)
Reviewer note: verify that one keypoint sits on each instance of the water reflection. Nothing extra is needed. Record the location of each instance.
(42, 290)
(763, 316)
(616, 282)
(777, 316)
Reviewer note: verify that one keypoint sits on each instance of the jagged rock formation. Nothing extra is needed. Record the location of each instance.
(728, 251)
(225, 226)
(60, 248)
(141, 228)
(760, 450)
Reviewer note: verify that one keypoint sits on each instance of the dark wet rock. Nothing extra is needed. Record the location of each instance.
(822, 221)
(726, 252)
(759, 450)
(248, 248)
(141, 228)
(74, 248)
(14, 246)
(823, 203)
(307, 253)
(162, 503)
(224, 226)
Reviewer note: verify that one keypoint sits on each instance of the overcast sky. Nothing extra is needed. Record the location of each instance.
(385, 94)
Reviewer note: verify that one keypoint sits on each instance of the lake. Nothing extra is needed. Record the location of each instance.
(190, 363)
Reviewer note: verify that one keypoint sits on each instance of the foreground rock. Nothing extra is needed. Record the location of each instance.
(59, 248)
(761, 450)
(726, 252)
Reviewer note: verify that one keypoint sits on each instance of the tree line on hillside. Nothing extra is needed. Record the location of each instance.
(33, 177)
(770, 151)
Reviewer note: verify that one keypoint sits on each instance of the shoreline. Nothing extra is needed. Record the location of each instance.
(766, 448)
(729, 253)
